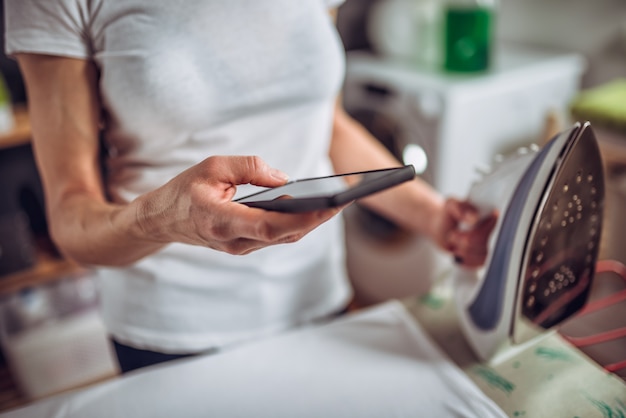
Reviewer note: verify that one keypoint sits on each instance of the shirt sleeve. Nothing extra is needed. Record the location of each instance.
(46, 27)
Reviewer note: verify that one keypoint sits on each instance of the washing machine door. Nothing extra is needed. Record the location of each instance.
(384, 260)
(394, 116)
(397, 120)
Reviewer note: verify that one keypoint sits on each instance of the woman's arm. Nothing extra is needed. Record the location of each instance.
(355, 149)
(195, 207)
(414, 205)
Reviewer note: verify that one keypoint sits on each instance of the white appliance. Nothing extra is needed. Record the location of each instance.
(454, 124)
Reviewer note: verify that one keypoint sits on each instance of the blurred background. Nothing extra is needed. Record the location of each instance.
(597, 30)
(513, 73)
(447, 85)
(454, 85)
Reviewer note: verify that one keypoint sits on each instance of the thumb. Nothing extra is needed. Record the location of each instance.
(253, 170)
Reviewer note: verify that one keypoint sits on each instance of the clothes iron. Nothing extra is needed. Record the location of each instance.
(543, 251)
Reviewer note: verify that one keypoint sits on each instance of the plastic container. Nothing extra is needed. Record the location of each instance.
(468, 35)
(53, 337)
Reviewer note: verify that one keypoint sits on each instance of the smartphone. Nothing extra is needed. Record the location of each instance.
(326, 192)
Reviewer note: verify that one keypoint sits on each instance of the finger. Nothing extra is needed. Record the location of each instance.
(462, 211)
(470, 247)
(271, 227)
(282, 227)
(468, 242)
(472, 260)
(469, 253)
(487, 224)
(244, 246)
(246, 169)
(473, 255)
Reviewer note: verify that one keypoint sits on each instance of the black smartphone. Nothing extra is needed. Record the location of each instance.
(327, 192)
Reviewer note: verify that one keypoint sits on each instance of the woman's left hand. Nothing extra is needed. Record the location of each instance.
(461, 231)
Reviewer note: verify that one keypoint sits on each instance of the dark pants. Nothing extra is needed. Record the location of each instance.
(131, 358)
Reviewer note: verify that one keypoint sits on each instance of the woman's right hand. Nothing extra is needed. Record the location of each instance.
(196, 208)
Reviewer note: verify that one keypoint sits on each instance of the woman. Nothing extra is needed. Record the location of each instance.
(193, 99)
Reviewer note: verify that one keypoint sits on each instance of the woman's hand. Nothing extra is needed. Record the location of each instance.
(452, 224)
(460, 231)
(196, 208)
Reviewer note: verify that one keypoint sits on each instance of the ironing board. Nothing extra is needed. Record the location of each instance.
(547, 377)
(374, 363)
(400, 358)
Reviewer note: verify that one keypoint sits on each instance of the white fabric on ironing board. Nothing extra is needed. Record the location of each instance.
(376, 363)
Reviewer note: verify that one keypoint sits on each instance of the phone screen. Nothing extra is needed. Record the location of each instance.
(298, 189)
(324, 192)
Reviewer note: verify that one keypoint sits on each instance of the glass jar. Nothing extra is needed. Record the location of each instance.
(409, 30)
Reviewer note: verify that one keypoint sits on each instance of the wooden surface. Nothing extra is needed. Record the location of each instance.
(10, 395)
(47, 269)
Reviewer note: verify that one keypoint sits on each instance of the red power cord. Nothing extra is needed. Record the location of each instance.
(604, 266)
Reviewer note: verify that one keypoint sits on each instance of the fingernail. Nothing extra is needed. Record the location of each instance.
(277, 174)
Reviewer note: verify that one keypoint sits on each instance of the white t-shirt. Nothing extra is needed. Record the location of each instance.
(181, 80)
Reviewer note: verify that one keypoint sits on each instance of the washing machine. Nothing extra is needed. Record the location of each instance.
(450, 126)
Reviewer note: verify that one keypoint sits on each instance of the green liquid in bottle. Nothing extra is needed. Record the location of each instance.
(467, 39)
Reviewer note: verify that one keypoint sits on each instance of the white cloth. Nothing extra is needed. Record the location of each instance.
(376, 363)
(181, 81)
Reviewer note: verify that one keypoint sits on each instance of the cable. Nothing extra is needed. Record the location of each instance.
(604, 266)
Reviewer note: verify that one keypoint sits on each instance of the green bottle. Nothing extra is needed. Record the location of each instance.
(468, 35)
